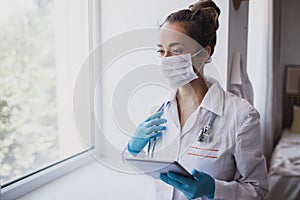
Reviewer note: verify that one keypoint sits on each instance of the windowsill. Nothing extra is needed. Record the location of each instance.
(45, 176)
(94, 181)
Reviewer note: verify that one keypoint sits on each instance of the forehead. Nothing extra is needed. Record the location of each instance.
(175, 33)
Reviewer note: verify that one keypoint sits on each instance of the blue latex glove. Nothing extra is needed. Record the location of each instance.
(202, 184)
(145, 131)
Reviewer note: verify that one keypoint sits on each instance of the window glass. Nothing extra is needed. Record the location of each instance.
(42, 45)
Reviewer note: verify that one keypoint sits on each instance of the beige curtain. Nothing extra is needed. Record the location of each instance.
(270, 115)
(262, 71)
(273, 113)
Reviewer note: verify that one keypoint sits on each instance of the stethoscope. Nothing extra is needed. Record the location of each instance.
(205, 134)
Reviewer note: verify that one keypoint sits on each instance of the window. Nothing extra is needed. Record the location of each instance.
(43, 43)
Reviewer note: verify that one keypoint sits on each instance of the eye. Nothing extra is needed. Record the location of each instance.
(177, 51)
(161, 52)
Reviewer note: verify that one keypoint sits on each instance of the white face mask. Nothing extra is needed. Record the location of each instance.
(178, 69)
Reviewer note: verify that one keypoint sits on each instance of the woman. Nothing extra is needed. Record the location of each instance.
(226, 159)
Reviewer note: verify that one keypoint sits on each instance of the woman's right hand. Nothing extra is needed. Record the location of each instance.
(148, 129)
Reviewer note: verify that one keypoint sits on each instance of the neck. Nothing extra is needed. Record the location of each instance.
(193, 93)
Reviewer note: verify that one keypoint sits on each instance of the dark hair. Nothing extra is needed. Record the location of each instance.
(200, 22)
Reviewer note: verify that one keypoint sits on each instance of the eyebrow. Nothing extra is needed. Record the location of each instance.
(172, 44)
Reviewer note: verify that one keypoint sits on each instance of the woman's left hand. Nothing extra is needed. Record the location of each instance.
(202, 184)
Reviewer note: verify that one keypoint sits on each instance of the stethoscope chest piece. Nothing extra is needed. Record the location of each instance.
(205, 134)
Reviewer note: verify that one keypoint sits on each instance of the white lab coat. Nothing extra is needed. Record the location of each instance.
(233, 157)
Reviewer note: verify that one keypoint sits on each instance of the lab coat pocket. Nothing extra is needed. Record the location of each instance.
(200, 156)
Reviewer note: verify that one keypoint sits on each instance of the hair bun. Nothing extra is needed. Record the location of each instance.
(207, 9)
(204, 4)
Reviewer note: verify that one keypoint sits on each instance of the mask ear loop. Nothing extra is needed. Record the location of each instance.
(198, 52)
(195, 54)
(200, 69)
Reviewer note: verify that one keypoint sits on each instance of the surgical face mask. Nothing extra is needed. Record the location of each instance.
(178, 69)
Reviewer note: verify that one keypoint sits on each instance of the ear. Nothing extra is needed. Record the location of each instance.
(208, 49)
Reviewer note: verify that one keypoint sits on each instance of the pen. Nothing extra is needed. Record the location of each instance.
(153, 147)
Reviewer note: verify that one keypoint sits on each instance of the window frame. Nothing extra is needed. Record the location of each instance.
(42, 176)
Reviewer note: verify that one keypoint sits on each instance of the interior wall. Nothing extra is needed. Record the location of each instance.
(289, 42)
(290, 32)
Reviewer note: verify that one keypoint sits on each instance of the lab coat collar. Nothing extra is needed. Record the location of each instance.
(214, 98)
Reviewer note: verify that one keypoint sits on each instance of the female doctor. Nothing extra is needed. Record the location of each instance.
(210, 132)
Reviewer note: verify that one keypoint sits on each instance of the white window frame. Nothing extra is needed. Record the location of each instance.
(32, 181)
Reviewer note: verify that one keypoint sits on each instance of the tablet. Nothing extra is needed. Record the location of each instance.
(154, 168)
